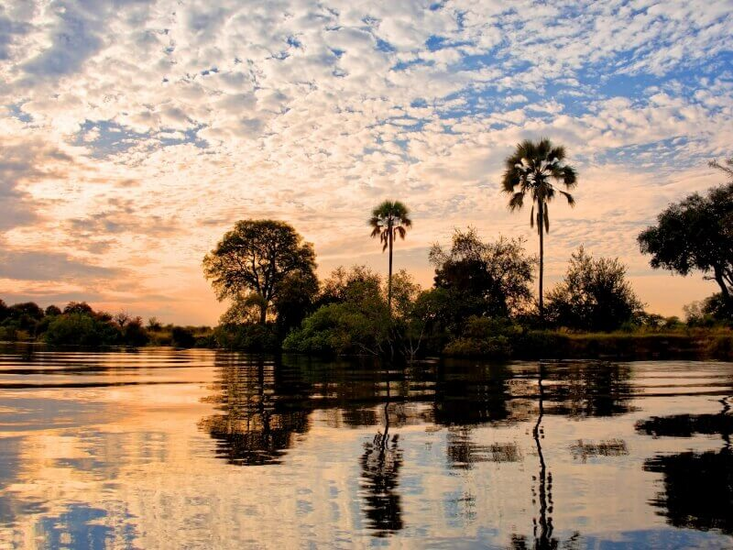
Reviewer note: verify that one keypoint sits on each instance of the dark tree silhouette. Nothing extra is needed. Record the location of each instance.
(531, 170)
(259, 256)
(390, 220)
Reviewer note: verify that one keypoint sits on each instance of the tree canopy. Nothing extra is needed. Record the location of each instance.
(696, 234)
(594, 295)
(531, 170)
(261, 257)
(484, 278)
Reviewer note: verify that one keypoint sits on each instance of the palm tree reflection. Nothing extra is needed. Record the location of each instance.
(380, 467)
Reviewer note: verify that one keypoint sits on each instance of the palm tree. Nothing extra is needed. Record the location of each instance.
(531, 169)
(389, 220)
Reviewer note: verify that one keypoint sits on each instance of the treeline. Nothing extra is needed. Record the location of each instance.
(482, 300)
(77, 324)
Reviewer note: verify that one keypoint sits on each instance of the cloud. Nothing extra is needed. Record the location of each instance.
(138, 131)
(31, 265)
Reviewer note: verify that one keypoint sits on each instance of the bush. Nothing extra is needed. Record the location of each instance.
(182, 337)
(134, 334)
(248, 337)
(81, 329)
(485, 337)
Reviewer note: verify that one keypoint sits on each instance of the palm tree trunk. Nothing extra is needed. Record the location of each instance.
(541, 216)
(389, 281)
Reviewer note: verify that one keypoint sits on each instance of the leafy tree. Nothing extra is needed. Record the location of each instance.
(4, 311)
(25, 316)
(594, 295)
(389, 220)
(696, 234)
(243, 310)
(52, 311)
(182, 337)
(295, 300)
(134, 333)
(358, 322)
(154, 324)
(483, 278)
(81, 329)
(258, 256)
(78, 307)
(342, 283)
(531, 170)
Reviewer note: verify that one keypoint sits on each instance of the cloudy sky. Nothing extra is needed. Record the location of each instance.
(133, 133)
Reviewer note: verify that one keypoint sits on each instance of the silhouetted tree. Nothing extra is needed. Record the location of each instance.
(389, 220)
(259, 256)
(52, 311)
(531, 170)
(483, 278)
(696, 234)
(78, 307)
(594, 295)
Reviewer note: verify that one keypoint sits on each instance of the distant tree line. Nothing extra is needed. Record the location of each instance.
(481, 301)
(78, 324)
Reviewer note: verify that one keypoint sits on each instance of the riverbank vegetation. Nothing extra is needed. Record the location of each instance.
(481, 302)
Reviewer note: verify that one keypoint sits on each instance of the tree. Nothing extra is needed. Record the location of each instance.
(389, 220)
(258, 256)
(531, 169)
(726, 167)
(486, 279)
(353, 319)
(696, 234)
(52, 311)
(78, 307)
(594, 295)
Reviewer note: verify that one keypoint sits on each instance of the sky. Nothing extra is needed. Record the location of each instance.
(134, 133)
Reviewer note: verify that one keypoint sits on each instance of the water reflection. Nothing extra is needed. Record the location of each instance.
(380, 467)
(201, 449)
(261, 409)
(698, 486)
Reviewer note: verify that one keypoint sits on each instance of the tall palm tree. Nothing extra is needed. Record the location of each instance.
(389, 220)
(532, 169)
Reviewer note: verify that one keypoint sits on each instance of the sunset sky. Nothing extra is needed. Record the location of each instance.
(134, 133)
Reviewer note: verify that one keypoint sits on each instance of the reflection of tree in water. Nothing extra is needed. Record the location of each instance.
(380, 466)
(262, 407)
(468, 394)
(542, 526)
(589, 389)
(698, 487)
(463, 452)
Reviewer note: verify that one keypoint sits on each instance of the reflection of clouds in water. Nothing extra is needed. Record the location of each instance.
(146, 469)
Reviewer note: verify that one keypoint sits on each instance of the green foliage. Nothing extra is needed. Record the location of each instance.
(696, 234)
(358, 323)
(710, 312)
(594, 296)
(81, 329)
(485, 279)
(484, 337)
(250, 337)
(262, 257)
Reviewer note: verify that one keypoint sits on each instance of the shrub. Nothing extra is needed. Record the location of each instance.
(249, 337)
(182, 337)
(81, 329)
(485, 337)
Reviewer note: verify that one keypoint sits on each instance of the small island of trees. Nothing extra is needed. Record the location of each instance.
(481, 302)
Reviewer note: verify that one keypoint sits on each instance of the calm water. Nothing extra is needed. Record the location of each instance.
(201, 449)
